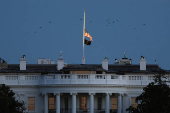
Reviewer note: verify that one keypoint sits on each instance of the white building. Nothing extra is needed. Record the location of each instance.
(78, 88)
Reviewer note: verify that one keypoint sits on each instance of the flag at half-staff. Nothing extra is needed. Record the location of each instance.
(87, 35)
(87, 42)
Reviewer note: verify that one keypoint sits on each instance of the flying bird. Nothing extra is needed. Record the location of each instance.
(80, 18)
(117, 20)
(40, 27)
(49, 22)
(113, 22)
(134, 28)
(143, 24)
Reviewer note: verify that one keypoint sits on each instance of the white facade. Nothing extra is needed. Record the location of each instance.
(61, 85)
(80, 91)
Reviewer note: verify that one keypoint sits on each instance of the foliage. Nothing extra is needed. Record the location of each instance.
(155, 98)
(7, 101)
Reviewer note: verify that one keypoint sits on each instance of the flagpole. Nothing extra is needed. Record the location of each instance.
(83, 60)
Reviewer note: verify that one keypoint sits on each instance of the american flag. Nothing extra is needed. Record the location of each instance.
(88, 35)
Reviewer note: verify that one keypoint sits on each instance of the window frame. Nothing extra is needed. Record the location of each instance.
(134, 104)
(33, 104)
(51, 104)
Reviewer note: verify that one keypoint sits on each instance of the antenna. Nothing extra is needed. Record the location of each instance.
(124, 55)
(60, 54)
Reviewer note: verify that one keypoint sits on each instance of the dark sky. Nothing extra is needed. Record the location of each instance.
(43, 28)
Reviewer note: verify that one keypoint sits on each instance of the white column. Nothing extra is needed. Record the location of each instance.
(107, 103)
(125, 103)
(45, 102)
(119, 103)
(73, 102)
(57, 102)
(91, 102)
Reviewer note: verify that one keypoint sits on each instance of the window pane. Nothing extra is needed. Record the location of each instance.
(82, 103)
(114, 103)
(134, 103)
(99, 103)
(66, 103)
(51, 102)
(31, 103)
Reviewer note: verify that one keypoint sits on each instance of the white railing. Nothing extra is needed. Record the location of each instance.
(11, 77)
(99, 76)
(64, 76)
(82, 76)
(114, 77)
(78, 79)
(151, 77)
(135, 77)
(31, 77)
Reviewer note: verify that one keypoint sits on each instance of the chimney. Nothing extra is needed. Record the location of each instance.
(130, 61)
(105, 63)
(23, 63)
(52, 62)
(142, 63)
(60, 62)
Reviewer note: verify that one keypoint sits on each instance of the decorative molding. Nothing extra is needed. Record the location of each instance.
(124, 94)
(107, 94)
(119, 94)
(57, 94)
(20, 94)
(44, 94)
(92, 94)
(77, 85)
(73, 93)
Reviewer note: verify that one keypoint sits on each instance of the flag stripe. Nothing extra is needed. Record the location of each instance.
(88, 35)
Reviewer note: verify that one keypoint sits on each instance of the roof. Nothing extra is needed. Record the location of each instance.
(83, 67)
(32, 68)
(52, 68)
(132, 68)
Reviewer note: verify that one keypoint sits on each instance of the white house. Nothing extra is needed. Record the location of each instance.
(78, 88)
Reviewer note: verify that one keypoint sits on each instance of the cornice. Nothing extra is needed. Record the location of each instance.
(77, 86)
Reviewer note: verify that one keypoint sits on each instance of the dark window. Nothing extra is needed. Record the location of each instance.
(99, 103)
(98, 72)
(66, 103)
(66, 72)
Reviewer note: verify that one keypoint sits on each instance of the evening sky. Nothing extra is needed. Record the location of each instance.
(43, 28)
